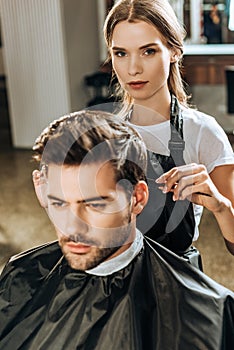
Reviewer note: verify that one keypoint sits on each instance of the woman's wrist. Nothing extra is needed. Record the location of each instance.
(224, 207)
(225, 218)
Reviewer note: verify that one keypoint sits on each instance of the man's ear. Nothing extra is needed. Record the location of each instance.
(40, 185)
(140, 197)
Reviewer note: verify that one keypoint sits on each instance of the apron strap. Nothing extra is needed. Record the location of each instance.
(176, 144)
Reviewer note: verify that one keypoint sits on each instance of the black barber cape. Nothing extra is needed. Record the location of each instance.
(158, 301)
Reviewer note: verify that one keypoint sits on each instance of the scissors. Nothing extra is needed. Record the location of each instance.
(158, 185)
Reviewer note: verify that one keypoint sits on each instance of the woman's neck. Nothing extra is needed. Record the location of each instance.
(145, 116)
(151, 112)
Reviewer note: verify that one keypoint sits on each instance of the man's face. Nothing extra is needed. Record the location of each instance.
(91, 213)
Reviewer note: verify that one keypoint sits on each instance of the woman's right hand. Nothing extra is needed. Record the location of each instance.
(193, 182)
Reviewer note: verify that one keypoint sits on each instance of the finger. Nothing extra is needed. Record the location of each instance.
(186, 175)
(197, 191)
(163, 178)
(191, 181)
(182, 170)
(168, 180)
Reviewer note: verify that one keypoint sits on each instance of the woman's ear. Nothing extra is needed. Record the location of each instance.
(140, 197)
(175, 55)
(40, 185)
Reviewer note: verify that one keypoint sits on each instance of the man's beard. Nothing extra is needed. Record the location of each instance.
(118, 237)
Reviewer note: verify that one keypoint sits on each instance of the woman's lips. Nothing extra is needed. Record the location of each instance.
(78, 248)
(137, 84)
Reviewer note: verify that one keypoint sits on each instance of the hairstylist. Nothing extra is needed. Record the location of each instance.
(190, 157)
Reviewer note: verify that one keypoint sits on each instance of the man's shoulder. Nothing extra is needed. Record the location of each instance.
(37, 260)
(43, 249)
(188, 278)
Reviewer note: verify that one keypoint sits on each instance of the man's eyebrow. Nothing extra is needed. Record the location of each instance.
(115, 48)
(55, 198)
(95, 199)
(87, 200)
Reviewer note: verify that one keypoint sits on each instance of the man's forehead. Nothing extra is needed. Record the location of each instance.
(59, 171)
(83, 181)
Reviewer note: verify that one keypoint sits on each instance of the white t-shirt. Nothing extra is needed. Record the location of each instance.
(205, 143)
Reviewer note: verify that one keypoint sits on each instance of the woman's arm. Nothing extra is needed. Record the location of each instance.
(214, 191)
(223, 178)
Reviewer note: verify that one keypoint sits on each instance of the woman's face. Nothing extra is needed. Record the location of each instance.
(141, 60)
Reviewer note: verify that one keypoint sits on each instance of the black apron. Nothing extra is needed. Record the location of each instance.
(170, 223)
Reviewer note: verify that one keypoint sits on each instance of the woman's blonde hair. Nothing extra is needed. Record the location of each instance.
(160, 14)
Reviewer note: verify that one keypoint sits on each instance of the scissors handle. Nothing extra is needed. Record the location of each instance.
(158, 185)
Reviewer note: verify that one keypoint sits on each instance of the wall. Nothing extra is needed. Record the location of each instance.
(1, 54)
(35, 66)
(205, 72)
(81, 35)
(48, 48)
(2, 72)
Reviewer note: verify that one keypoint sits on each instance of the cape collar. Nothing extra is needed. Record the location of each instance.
(119, 262)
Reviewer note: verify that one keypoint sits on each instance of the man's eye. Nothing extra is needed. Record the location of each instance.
(58, 204)
(149, 52)
(97, 206)
(120, 53)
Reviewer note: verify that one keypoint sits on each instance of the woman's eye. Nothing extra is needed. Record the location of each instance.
(149, 52)
(120, 53)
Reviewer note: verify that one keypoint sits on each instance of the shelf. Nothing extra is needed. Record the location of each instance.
(206, 68)
(209, 49)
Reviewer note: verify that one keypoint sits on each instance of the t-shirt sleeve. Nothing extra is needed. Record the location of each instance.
(209, 143)
(215, 148)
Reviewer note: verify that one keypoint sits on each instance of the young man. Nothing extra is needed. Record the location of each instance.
(102, 285)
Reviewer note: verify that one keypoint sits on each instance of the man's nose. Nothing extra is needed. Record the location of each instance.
(134, 66)
(75, 223)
